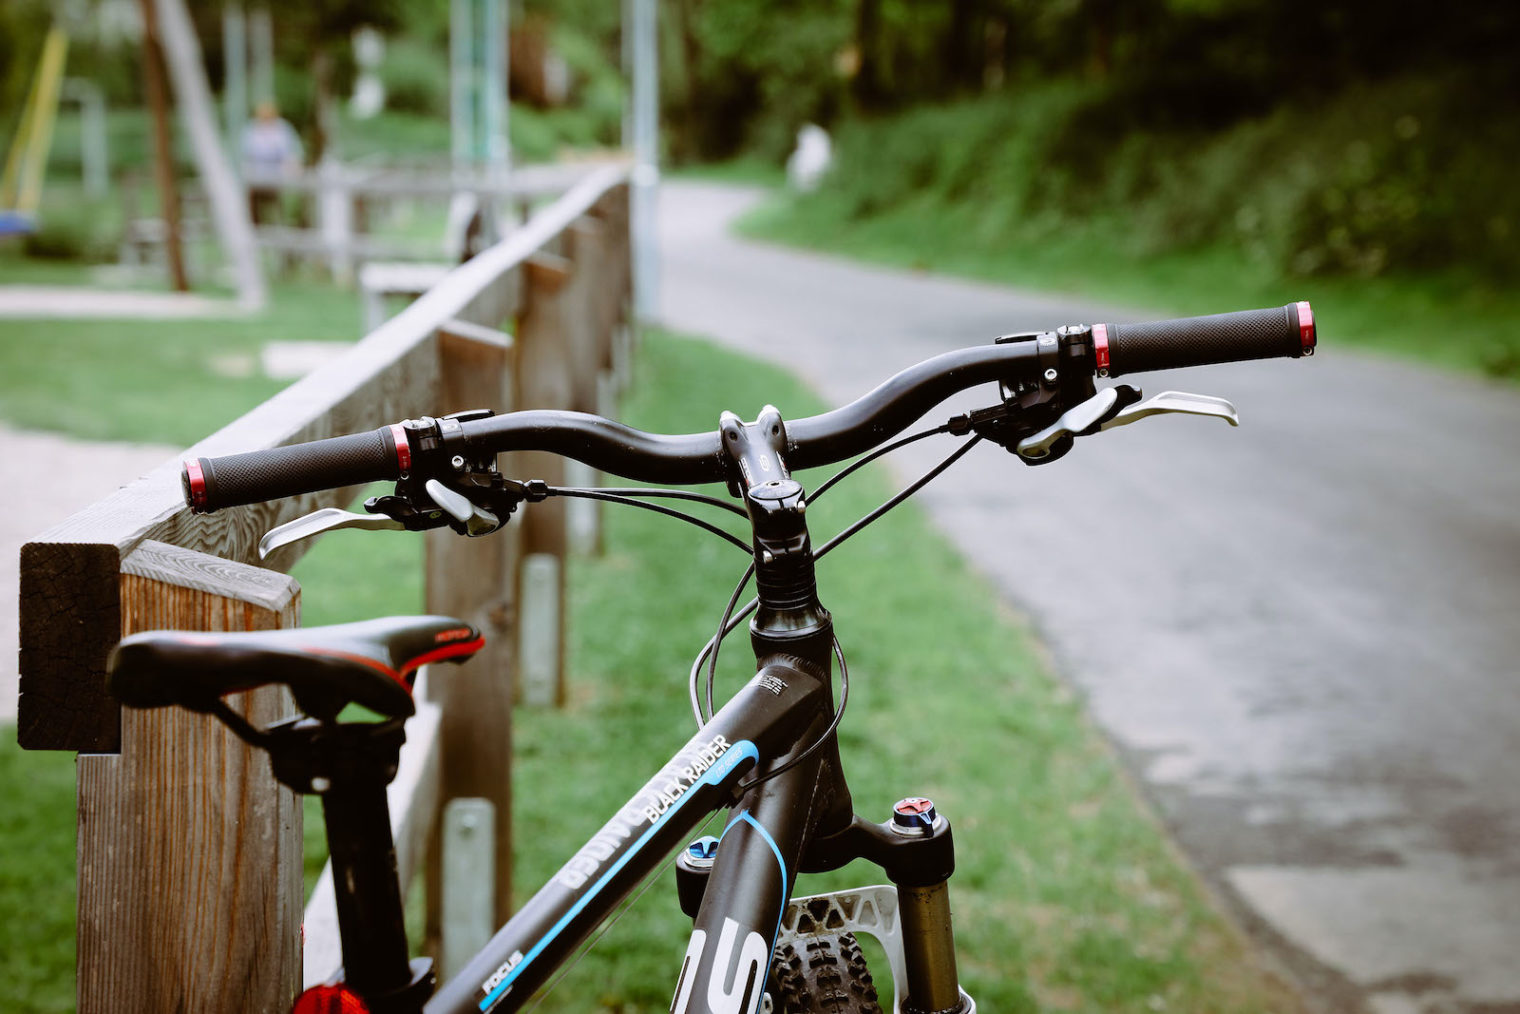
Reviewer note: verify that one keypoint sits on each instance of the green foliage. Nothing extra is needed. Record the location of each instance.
(416, 77)
(75, 229)
(748, 74)
(597, 93)
(1099, 258)
(1402, 176)
(129, 146)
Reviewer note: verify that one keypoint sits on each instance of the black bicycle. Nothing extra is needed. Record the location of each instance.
(770, 755)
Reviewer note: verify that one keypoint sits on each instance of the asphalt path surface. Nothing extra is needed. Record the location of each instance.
(1302, 634)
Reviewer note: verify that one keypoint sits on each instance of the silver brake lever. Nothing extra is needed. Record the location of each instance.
(1073, 421)
(1176, 401)
(317, 522)
(476, 520)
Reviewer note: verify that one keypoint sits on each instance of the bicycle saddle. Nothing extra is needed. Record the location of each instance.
(326, 668)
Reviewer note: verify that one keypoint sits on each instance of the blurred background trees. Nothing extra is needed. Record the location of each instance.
(1316, 136)
(1342, 137)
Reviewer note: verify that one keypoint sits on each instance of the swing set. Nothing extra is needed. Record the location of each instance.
(26, 161)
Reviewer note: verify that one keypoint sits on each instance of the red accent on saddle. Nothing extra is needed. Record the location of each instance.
(447, 651)
(400, 676)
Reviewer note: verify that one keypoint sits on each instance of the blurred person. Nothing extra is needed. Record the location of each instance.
(271, 152)
(811, 159)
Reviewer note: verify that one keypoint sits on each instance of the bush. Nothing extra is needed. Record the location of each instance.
(416, 77)
(75, 230)
(1406, 174)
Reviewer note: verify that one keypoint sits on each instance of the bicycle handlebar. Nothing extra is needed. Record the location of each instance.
(1106, 349)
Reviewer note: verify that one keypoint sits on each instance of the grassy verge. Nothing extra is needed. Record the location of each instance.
(1445, 318)
(157, 380)
(1067, 896)
(37, 886)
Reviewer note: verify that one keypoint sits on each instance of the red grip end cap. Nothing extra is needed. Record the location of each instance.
(1100, 346)
(404, 449)
(195, 483)
(1307, 335)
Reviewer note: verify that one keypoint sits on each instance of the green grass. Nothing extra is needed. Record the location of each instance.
(173, 381)
(752, 171)
(1444, 318)
(36, 879)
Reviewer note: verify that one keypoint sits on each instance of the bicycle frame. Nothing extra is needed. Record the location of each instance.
(779, 709)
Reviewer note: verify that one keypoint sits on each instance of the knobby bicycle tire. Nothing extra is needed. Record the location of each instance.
(824, 974)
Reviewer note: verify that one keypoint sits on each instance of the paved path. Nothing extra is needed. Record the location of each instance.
(1303, 634)
(72, 301)
(49, 477)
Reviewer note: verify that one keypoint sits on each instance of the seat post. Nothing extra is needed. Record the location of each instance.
(349, 765)
(370, 918)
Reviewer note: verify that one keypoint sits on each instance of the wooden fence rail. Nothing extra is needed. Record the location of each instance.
(189, 853)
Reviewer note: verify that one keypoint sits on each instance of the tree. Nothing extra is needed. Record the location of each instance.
(320, 31)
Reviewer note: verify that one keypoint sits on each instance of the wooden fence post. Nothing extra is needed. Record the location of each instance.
(614, 209)
(189, 852)
(544, 381)
(589, 247)
(475, 579)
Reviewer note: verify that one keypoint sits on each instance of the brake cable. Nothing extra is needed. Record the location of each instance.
(907, 491)
(627, 497)
(866, 459)
(729, 622)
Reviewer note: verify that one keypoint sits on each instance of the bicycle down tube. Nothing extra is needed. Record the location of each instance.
(760, 723)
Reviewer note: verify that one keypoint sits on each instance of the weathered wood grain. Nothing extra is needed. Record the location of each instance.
(585, 311)
(475, 579)
(544, 380)
(189, 852)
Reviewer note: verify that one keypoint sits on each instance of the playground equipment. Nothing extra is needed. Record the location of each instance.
(25, 163)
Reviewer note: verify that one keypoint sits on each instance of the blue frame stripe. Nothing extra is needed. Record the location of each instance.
(749, 819)
(744, 749)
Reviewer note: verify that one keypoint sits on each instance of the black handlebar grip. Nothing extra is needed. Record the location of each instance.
(1282, 331)
(213, 483)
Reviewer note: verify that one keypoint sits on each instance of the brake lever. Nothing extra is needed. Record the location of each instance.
(325, 520)
(1079, 420)
(1175, 401)
(476, 519)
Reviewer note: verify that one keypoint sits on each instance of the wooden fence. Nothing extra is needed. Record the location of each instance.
(189, 853)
